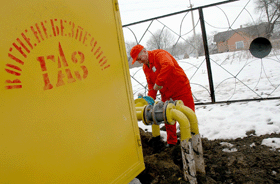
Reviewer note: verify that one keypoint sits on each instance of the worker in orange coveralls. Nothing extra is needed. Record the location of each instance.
(164, 74)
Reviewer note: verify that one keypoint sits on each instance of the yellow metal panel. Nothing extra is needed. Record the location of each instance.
(66, 106)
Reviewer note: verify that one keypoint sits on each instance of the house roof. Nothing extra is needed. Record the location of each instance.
(255, 30)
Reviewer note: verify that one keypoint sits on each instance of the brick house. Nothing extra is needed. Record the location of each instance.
(275, 40)
(239, 39)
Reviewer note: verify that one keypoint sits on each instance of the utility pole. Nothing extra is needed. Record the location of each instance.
(194, 34)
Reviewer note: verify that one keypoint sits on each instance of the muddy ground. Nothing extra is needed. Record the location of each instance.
(250, 163)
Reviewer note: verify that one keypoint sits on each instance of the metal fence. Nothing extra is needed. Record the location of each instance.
(217, 75)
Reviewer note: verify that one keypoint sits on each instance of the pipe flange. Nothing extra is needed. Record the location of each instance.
(140, 102)
(147, 116)
(143, 116)
(165, 109)
(157, 113)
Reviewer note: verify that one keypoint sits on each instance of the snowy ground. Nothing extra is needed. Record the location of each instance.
(233, 120)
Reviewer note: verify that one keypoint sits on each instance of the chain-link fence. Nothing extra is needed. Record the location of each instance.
(215, 47)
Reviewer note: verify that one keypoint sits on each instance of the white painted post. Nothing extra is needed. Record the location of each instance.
(198, 153)
(188, 161)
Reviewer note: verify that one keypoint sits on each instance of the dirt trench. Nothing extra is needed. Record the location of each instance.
(249, 162)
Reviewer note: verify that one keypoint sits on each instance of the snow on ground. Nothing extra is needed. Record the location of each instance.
(272, 142)
(231, 120)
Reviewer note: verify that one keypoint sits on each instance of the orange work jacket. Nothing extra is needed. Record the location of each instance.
(165, 71)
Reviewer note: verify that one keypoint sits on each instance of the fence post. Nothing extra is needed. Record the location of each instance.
(206, 50)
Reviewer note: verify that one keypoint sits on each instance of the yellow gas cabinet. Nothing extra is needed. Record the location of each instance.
(66, 106)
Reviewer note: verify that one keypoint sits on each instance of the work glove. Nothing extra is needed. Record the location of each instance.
(156, 87)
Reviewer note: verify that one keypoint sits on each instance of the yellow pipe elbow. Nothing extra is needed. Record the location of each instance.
(184, 124)
(173, 115)
(190, 115)
(155, 130)
(169, 118)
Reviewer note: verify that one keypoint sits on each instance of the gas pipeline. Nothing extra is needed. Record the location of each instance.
(159, 112)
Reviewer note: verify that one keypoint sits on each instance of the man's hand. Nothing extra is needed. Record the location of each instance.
(156, 87)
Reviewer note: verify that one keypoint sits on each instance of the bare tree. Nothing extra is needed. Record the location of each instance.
(161, 39)
(195, 45)
(211, 44)
(128, 46)
(179, 50)
(271, 8)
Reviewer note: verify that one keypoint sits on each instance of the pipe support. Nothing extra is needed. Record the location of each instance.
(155, 130)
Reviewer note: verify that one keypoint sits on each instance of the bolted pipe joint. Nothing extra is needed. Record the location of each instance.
(157, 113)
(170, 112)
(147, 115)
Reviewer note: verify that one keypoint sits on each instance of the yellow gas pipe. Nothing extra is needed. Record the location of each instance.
(155, 130)
(140, 102)
(190, 115)
(140, 105)
(196, 139)
(139, 112)
(173, 115)
(188, 125)
(189, 168)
